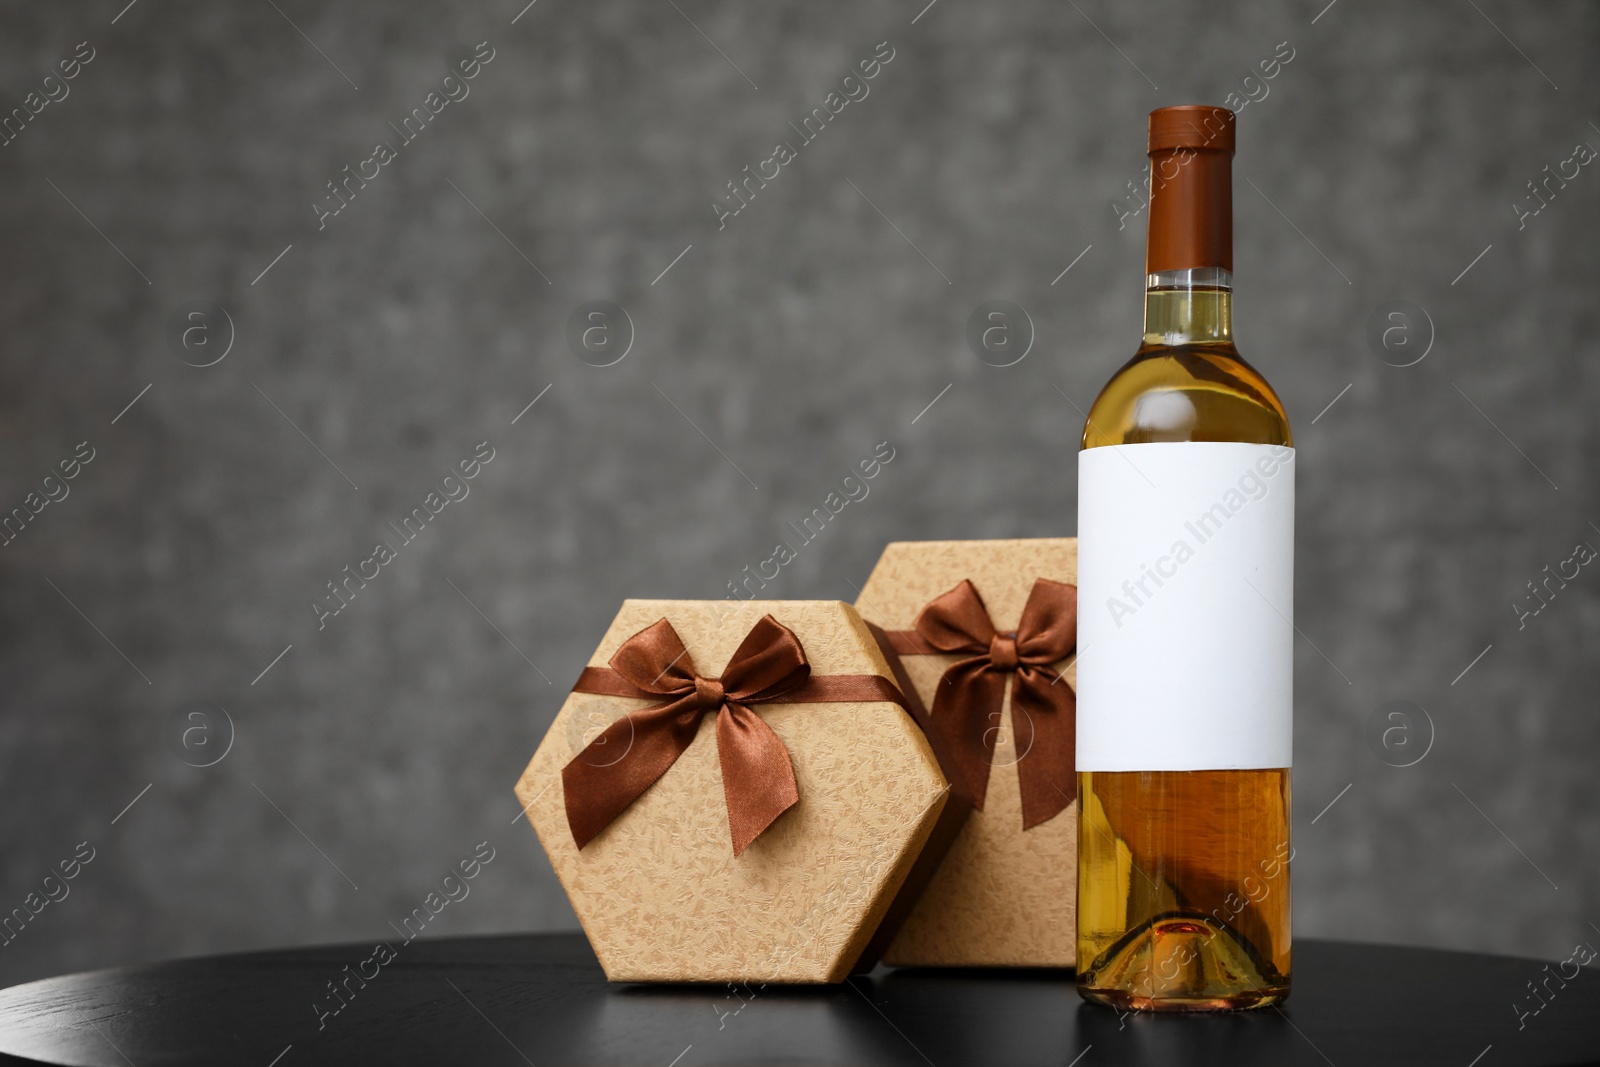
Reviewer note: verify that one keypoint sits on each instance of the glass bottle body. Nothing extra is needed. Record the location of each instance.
(1183, 876)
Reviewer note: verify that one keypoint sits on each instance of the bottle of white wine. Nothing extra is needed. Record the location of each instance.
(1186, 587)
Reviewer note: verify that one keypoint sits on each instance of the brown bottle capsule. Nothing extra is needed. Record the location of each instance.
(1191, 188)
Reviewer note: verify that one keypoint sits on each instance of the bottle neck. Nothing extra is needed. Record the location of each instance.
(1189, 307)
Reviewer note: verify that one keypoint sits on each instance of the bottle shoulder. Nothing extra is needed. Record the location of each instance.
(1201, 392)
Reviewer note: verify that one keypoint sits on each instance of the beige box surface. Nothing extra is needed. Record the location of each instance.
(1002, 896)
(659, 891)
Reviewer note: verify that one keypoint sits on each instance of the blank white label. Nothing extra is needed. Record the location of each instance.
(1185, 607)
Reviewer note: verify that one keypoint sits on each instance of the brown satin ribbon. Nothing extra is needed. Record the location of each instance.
(758, 785)
(971, 693)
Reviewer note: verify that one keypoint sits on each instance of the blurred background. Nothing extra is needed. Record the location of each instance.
(267, 376)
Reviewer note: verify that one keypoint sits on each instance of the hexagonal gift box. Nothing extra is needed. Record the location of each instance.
(1004, 615)
(702, 858)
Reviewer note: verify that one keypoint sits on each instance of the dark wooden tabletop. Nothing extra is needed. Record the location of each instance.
(542, 1000)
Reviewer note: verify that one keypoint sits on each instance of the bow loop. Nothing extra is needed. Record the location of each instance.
(1048, 632)
(767, 664)
(957, 621)
(655, 661)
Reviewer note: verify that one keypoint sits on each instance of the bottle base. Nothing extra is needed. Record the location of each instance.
(1181, 962)
(1123, 1000)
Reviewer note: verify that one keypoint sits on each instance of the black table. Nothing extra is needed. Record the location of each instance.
(542, 1000)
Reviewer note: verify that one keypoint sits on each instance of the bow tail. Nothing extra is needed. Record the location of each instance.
(757, 777)
(1047, 768)
(626, 758)
(965, 723)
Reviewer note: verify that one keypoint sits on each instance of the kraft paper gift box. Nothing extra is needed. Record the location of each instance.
(733, 792)
(985, 634)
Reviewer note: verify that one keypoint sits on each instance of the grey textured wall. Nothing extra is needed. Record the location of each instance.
(378, 351)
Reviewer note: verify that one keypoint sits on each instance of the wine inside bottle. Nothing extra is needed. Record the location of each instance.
(1186, 530)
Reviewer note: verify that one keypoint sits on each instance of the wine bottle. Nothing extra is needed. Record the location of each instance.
(1186, 586)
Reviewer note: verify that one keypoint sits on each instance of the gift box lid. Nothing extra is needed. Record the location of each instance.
(659, 888)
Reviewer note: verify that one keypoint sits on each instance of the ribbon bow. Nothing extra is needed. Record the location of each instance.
(972, 692)
(757, 778)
